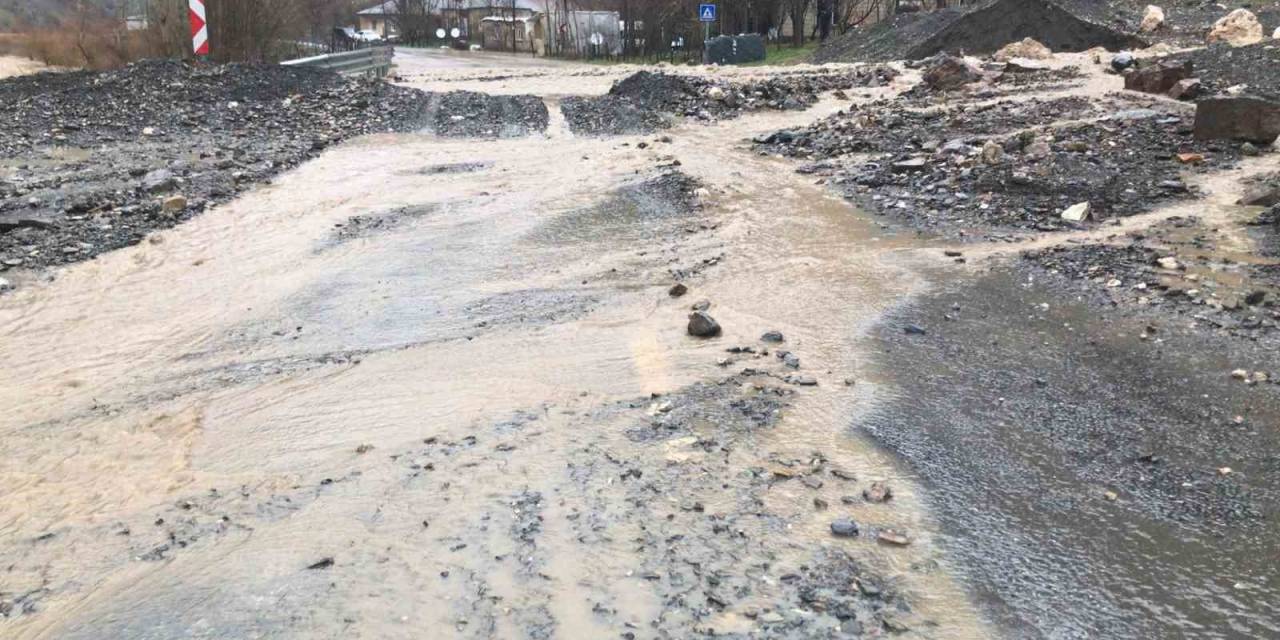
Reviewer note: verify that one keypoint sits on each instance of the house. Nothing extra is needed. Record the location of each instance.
(468, 17)
(379, 18)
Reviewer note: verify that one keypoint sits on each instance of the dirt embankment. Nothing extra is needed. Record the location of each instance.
(94, 161)
(645, 101)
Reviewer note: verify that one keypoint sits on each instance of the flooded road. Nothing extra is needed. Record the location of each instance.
(420, 384)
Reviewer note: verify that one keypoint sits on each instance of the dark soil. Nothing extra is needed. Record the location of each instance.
(983, 29)
(645, 101)
(926, 166)
(88, 157)
(1222, 66)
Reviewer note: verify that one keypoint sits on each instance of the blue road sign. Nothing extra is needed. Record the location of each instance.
(707, 12)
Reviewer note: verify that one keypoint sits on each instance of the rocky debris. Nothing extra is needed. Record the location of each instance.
(1027, 48)
(702, 325)
(844, 528)
(1158, 76)
(1262, 191)
(877, 493)
(982, 28)
(1152, 19)
(467, 114)
(1173, 268)
(646, 101)
(927, 166)
(772, 336)
(1238, 28)
(947, 73)
(138, 134)
(1122, 61)
(1186, 89)
(1224, 69)
(1238, 118)
(678, 289)
(1077, 212)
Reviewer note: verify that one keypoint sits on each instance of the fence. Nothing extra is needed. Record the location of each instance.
(374, 62)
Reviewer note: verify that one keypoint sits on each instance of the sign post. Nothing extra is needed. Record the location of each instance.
(706, 15)
(199, 29)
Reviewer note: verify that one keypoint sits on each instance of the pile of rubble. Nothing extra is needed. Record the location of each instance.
(645, 101)
(94, 161)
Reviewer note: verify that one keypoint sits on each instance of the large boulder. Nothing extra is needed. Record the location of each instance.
(1027, 48)
(1158, 76)
(1238, 28)
(1263, 193)
(1238, 118)
(949, 72)
(1152, 20)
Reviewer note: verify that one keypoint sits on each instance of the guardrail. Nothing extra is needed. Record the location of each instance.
(374, 62)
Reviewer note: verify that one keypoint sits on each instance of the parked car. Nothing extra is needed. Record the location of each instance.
(366, 35)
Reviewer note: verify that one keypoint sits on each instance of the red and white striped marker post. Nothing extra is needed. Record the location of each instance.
(199, 29)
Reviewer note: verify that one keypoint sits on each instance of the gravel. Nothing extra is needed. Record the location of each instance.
(1222, 66)
(88, 158)
(646, 101)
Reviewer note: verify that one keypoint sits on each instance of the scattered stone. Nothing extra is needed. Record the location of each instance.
(791, 360)
(1238, 28)
(323, 563)
(896, 538)
(992, 153)
(1238, 118)
(1078, 212)
(844, 528)
(1152, 19)
(914, 330)
(947, 72)
(1249, 149)
(1028, 48)
(1169, 262)
(803, 381)
(1159, 76)
(1225, 471)
(5, 285)
(878, 492)
(1264, 193)
(1111, 496)
(1190, 158)
(1240, 374)
(1186, 89)
(1024, 65)
(159, 181)
(702, 325)
(910, 165)
(716, 93)
(1122, 61)
(701, 305)
(678, 289)
(772, 336)
(174, 204)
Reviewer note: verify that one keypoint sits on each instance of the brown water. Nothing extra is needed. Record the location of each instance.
(192, 422)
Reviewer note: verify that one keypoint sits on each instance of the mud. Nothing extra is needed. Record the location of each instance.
(1071, 446)
(89, 158)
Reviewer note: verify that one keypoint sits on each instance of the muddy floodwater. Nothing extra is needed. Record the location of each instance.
(435, 387)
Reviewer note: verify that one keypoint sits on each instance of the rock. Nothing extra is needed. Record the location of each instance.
(1078, 212)
(1249, 149)
(992, 153)
(1238, 28)
(803, 381)
(878, 492)
(715, 93)
(174, 203)
(5, 285)
(1190, 158)
(1038, 149)
(1169, 262)
(914, 330)
(772, 617)
(678, 289)
(1186, 89)
(701, 305)
(149, 131)
(949, 72)
(791, 360)
(159, 181)
(1255, 298)
(896, 538)
(844, 528)
(910, 165)
(1024, 65)
(1157, 77)
(1240, 374)
(1276, 34)
(1152, 19)
(1122, 61)
(1238, 118)
(772, 336)
(1263, 194)
(1027, 48)
(702, 325)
